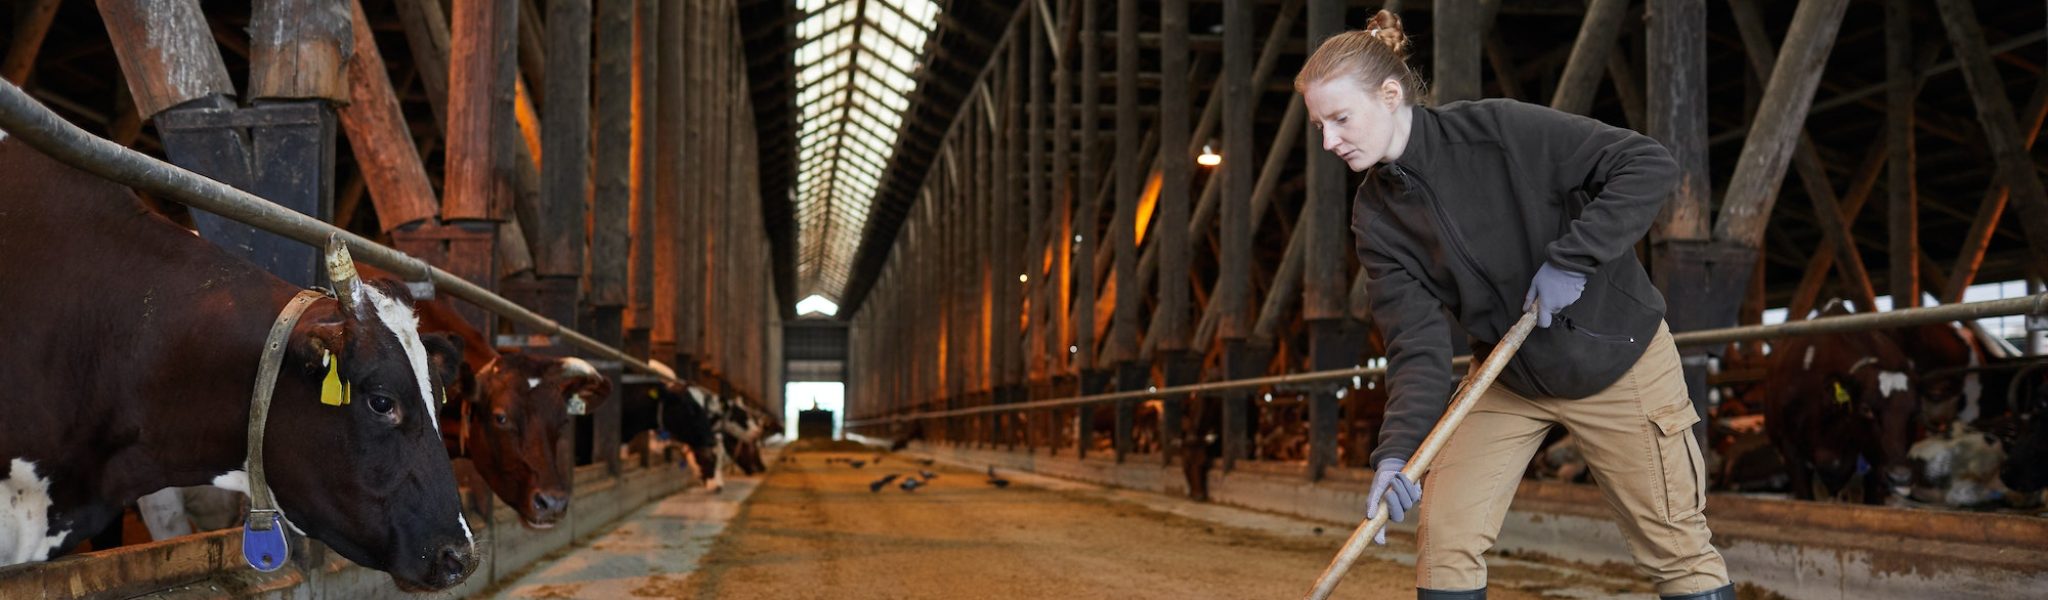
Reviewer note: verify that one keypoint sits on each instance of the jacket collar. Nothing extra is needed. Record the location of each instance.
(1425, 140)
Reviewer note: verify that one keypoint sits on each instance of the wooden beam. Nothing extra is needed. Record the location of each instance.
(2001, 128)
(166, 52)
(1089, 214)
(27, 40)
(1036, 200)
(1581, 80)
(1456, 54)
(1325, 286)
(1902, 216)
(668, 159)
(1806, 295)
(1676, 109)
(1971, 256)
(1812, 171)
(1774, 132)
(379, 138)
(300, 49)
(1130, 181)
(479, 103)
(1176, 168)
(1234, 293)
(533, 44)
(565, 139)
(612, 201)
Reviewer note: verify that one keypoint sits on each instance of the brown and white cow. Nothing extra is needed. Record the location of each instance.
(508, 412)
(130, 352)
(1842, 410)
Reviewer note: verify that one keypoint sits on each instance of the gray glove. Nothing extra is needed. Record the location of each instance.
(1556, 288)
(1400, 493)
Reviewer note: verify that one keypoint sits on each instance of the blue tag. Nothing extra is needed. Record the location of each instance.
(264, 547)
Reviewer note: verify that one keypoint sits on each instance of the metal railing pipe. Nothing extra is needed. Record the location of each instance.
(2036, 304)
(22, 117)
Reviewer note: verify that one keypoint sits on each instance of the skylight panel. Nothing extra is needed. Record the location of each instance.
(854, 72)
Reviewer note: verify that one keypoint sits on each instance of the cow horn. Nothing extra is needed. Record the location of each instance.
(341, 272)
(577, 367)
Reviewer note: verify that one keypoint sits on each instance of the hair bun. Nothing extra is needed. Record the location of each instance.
(1386, 27)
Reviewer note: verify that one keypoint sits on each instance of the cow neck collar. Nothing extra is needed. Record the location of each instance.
(264, 520)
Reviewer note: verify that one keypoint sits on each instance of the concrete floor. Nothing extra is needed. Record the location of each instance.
(809, 529)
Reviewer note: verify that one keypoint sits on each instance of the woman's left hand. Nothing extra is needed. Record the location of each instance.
(1556, 288)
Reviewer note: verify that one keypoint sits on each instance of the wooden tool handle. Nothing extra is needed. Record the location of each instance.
(1466, 398)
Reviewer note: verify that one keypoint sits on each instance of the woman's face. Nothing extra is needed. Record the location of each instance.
(1358, 123)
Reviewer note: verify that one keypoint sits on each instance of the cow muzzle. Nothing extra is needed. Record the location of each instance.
(548, 507)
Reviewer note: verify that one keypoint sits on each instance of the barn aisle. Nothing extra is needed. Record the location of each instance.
(813, 529)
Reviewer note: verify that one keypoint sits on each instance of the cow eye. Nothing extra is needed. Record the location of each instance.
(502, 421)
(381, 405)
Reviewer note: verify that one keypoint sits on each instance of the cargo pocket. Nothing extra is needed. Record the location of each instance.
(1679, 462)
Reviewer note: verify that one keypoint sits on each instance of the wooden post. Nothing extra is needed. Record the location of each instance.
(27, 41)
(668, 268)
(1581, 80)
(565, 142)
(479, 105)
(2001, 131)
(1773, 134)
(1457, 45)
(1324, 215)
(646, 108)
(1130, 376)
(1176, 166)
(695, 242)
(1902, 220)
(1064, 195)
(1130, 181)
(612, 203)
(1035, 184)
(1088, 216)
(1677, 103)
(379, 138)
(1234, 281)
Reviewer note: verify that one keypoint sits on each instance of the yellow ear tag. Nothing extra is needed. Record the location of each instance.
(348, 393)
(1841, 395)
(444, 394)
(653, 394)
(330, 388)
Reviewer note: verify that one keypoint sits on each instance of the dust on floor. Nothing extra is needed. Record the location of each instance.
(815, 530)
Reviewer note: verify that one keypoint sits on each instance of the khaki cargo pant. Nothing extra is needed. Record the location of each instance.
(1636, 436)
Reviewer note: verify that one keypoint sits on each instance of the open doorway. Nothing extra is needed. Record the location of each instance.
(802, 396)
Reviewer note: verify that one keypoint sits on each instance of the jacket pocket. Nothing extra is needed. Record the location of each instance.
(1679, 462)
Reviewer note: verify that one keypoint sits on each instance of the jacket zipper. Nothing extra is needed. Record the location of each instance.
(1458, 246)
(1443, 219)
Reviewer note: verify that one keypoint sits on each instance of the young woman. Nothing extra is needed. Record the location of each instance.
(1484, 210)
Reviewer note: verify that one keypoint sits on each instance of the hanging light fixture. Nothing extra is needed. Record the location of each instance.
(1209, 157)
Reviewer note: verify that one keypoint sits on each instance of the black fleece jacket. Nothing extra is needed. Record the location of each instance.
(1483, 194)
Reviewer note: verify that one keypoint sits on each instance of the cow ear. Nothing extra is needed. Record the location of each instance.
(319, 337)
(581, 379)
(444, 356)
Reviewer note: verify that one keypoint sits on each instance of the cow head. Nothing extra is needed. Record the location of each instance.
(2026, 466)
(519, 407)
(691, 415)
(1881, 395)
(366, 473)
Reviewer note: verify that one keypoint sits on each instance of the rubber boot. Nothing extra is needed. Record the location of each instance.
(1726, 592)
(1478, 594)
